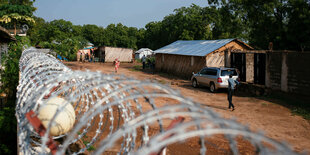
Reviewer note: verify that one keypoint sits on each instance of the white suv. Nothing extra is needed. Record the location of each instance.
(214, 77)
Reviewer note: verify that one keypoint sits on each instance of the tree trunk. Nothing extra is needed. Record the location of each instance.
(14, 28)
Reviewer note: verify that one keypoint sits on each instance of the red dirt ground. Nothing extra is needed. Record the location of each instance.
(275, 120)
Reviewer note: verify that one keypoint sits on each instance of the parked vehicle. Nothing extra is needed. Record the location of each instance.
(214, 77)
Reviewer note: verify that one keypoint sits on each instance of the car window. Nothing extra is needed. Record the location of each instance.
(203, 71)
(211, 72)
(228, 72)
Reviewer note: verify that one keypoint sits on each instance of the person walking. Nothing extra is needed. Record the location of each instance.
(143, 61)
(116, 63)
(81, 56)
(231, 87)
(86, 57)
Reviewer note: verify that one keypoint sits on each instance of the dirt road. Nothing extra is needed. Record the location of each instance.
(275, 120)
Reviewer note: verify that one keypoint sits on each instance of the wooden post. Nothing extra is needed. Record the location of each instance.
(284, 73)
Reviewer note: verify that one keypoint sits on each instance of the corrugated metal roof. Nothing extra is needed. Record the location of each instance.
(193, 47)
(5, 35)
(89, 44)
(143, 49)
(88, 48)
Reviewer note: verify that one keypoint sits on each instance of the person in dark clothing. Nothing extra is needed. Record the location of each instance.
(86, 57)
(148, 63)
(143, 61)
(231, 87)
(153, 67)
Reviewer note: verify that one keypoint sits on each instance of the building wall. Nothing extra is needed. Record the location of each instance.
(122, 54)
(249, 67)
(288, 72)
(298, 68)
(274, 67)
(101, 53)
(234, 45)
(179, 65)
(249, 59)
(80, 55)
(216, 59)
(182, 65)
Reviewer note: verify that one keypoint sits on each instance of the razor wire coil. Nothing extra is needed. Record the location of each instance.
(121, 113)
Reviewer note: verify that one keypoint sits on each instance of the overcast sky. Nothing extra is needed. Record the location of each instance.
(132, 13)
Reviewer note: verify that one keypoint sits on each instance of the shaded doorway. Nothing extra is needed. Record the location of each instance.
(238, 61)
(259, 68)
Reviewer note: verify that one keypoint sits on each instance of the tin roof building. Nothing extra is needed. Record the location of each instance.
(182, 57)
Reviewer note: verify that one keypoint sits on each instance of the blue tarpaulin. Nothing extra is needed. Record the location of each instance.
(61, 58)
(88, 48)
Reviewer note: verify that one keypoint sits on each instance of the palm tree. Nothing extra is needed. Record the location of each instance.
(15, 17)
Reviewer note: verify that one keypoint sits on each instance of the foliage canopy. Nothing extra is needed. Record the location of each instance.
(285, 23)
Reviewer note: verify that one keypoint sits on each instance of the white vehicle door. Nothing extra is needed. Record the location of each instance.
(211, 76)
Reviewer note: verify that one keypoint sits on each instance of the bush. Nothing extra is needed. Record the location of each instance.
(151, 59)
(9, 80)
(139, 60)
(66, 48)
(10, 62)
(8, 136)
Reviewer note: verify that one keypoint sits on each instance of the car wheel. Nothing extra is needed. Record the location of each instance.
(212, 87)
(194, 83)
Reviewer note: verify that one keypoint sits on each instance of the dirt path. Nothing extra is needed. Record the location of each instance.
(275, 120)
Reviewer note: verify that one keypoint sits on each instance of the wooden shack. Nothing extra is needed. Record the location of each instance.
(109, 54)
(181, 58)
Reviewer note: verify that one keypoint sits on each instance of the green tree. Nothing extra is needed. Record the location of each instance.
(56, 30)
(285, 23)
(59, 30)
(8, 130)
(9, 80)
(18, 2)
(193, 23)
(10, 74)
(225, 24)
(298, 26)
(59, 35)
(93, 33)
(153, 35)
(35, 32)
(17, 13)
(122, 36)
(77, 30)
(68, 47)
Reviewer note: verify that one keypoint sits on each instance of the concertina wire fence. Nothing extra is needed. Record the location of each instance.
(115, 113)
